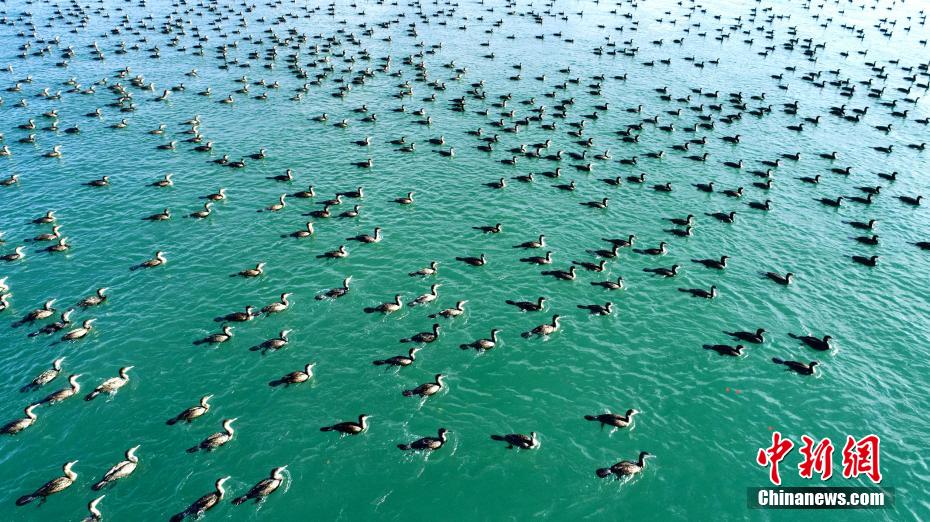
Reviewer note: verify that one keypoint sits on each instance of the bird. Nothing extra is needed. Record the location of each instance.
(350, 427)
(482, 344)
(56, 485)
(45, 377)
(15, 426)
(700, 292)
(204, 503)
(798, 367)
(335, 293)
(785, 280)
(427, 443)
(95, 514)
(518, 440)
(543, 330)
(295, 377)
(817, 343)
(111, 385)
(726, 349)
(625, 468)
(217, 439)
(423, 337)
(447, 313)
(529, 306)
(427, 389)
(120, 471)
(614, 419)
(264, 487)
(399, 360)
(193, 412)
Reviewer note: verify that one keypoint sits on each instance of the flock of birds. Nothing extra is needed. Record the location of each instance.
(310, 60)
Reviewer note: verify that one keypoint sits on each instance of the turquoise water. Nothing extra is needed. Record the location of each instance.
(703, 416)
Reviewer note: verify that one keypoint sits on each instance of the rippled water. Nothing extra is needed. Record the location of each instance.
(703, 416)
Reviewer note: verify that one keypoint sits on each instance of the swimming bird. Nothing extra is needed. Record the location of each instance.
(193, 412)
(98, 298)
(661, 250)
(111, 385)
(15, 426)
(867, 261)
(38, 314)
(427, 443)
(238, 317)
(614, 419)
(387, 307)
(161, 216)
(700, 292)
(538, 260)
(80, 332)
(158, 260)
(820, 344)
(529, 306)
(539, 243)
(713, 263)
(427, 297)
(423, 337)
(95, 514)
(120, 471)
(427, 389)
(543, 330)
(726, 349)
(349, 427)
(406, 200)
(275, 343)
(335, 293)
(664, 272)
(264, 487)
(204, 503)
(56, 485)
(625, 468)
(473, 261)
(483, 344)
(217, 338)
(519, 440)
(447, 313)
(217, 439)
(278, 306)
(620, 242)
(365, 238)
(597, 309)
(798, 367)
(757, 337)
(565, 275)
(45, 377)
(253, 272)
(295, 377)
(399, 360)
(780, 279)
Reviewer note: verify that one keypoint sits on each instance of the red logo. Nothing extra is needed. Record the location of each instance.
(860, 457)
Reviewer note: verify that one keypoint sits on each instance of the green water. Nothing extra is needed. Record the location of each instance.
(703, 416)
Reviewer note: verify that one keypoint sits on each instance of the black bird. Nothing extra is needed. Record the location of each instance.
(597, 309)
(518, 440)
(814, 342)
(797, 367)
(713, 263)
(700, 292)
(780, 279)
(756, 338)
(664, 272)
(529, 306)
(427, 443)
(866, 261)
(726, 349)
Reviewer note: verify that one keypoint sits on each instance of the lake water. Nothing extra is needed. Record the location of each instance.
(703, 416)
